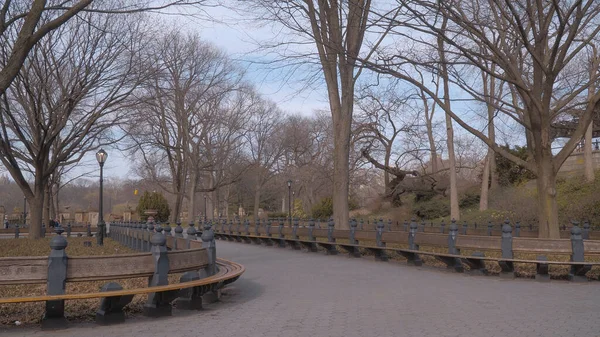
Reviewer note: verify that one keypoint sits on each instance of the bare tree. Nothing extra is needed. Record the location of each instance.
(74, 88)
(181, 103)
(384, 116)
(540, 44)
(30, 23)
(264, 139)
(337, 30)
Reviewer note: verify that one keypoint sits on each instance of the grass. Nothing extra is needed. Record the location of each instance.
(85, 310)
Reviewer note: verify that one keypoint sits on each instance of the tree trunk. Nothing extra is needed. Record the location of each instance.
(434, 156)
(36, 209)
(46, 207)
(192, 197)
(548, 208)
(454, 210)
(256, 199)
(342, 120)
(483, 199)
(587, 155)
(386, 174)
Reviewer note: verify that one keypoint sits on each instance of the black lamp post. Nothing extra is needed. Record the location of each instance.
(289, 183)
(24, 211)
(205, 215)
(101, 157)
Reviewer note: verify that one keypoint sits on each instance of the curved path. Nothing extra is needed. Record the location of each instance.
(291, 293)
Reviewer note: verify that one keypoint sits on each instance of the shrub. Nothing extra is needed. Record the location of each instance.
(469, 200)
(432, 209)
(323, 209)
(278, 214)
(155, 201)
(510, 173)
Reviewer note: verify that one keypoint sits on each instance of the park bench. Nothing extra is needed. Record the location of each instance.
(203, 274)
(348, 240)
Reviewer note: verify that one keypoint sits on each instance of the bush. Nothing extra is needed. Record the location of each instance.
(155, 201)
(469, 200)
(278, 215)
(510, 173)
(323, 209)
(432, 209)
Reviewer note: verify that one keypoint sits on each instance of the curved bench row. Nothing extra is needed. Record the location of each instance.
(204, 275)
(331, 239)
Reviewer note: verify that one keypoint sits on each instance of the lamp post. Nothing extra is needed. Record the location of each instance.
(289, 183)
(24, 211)
(205, 217)
(101, 157)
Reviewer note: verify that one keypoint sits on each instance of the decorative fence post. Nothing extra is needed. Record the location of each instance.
(577, 272)
(443, 227)
(89, 230)
(507, 267)
(239, 224)
(268, 228)
(452, 262)
(311, 228)
(145, 243)
(380, 254)
(208, 242)
(362, 223)
(465, 227)
(167, 229)
(16, 231)
(412, 258)
(247, 227)
(330, 229)
(352, 236)
(281, 236)
(137, 232)
(230, 227)
(389, 223)
(150, 226)
(490, 228)
(379, 233)
(405, 226)
(159, 304)
(257, 227)
(295, 229)
(54, 316)
(69, 230)
(191, 234)
(585, 233)
(517, 229)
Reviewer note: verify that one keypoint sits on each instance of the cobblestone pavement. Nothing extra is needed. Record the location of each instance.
(291, 293)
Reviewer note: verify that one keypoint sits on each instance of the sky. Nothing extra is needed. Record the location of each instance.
(231, 33)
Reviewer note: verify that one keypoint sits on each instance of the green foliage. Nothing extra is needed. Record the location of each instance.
(298, 211)
(423, 196)
(469, 200)
(509, 173)
(278, 214)
(432, 209)
(323, 209)
(155, 201)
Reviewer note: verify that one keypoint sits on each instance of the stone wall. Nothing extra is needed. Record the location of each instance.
(575, 163)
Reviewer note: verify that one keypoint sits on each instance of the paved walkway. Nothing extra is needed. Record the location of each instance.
(290, 293)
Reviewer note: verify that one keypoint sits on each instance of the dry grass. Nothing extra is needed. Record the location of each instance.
(31, 313)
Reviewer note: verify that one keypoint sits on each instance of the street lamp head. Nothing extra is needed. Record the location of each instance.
(289, 182)
(101, 157)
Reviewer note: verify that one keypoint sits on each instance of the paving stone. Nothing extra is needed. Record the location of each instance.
(290, 293)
